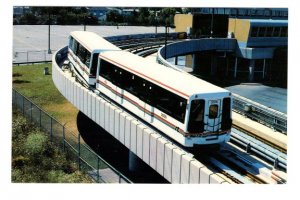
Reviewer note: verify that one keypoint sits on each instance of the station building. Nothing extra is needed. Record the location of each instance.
(260, 53)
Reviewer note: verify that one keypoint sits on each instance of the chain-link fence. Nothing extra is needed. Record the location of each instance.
(21, 57)
(68, 141)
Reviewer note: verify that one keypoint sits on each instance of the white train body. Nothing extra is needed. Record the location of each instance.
(188, 110)
(83, 51)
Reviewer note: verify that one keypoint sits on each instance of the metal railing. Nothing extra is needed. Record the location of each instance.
(24, 57)
(66, 140)
(260, 113)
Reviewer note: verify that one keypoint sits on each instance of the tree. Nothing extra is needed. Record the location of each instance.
(58, 15)
(167, 16)
(114, 16)
(143, 16)
(28, 18)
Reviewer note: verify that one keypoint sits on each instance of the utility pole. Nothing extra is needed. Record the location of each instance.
(49, 20)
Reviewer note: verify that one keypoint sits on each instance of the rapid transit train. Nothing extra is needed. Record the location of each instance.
(189, 110)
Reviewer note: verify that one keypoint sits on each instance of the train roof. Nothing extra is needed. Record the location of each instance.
(181, 83)
(92, 41)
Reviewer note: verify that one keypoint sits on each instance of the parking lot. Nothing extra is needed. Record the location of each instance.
(35, 37)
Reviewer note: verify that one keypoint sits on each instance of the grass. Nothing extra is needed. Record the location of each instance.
(30, 81)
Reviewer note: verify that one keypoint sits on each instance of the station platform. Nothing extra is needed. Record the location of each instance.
(260, 130)
(272, 97)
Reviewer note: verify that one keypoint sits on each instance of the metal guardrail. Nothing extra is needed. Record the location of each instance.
(267, 152)
(260, 113)
(87, 160)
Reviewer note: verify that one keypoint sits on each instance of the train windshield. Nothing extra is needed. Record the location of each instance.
(196, 124)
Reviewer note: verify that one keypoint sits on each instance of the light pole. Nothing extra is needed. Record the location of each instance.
(84, 21)
(49, 49)
(212, 23)
(156, 22)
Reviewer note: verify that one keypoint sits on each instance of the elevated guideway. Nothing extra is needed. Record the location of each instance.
(172, 162)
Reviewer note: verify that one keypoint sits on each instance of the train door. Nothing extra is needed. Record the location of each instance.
(213, 115)
(118, 80)
(148, 112)
(93, 68)
(145, 94)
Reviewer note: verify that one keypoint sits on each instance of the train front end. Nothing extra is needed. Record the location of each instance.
(209, 119)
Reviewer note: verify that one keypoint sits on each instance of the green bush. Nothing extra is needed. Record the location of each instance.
(60, 176)
(36, 160)
(20, 127)
(36, 144)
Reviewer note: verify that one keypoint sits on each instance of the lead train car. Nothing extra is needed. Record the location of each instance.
(83, 52)
(189, 110)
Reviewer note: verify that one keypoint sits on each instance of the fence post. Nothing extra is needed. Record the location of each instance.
(27, 57)
(78, 151)
(51, 129)
(30, 111)
(23, 106)
(14, 98)
(98, 166)
(64, 138)
(45, 55)
(40, 119)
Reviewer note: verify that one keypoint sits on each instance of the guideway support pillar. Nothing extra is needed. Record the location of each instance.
(251, 70)
(133, 164)
(213, 66)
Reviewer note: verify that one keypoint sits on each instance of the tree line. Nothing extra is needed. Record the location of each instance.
(81, 15)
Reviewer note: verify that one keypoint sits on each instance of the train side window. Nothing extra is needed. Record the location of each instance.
(125, 80)
(144, 90)
(106, 70)
(226, 117)
(87, 59)
(261, 32)
(118, 77)
(75, 47)
(82, 53)
(254, 31)
(284, 31)
(170, 103)
(71, 41)
(276, 31)
(196, 119)
(269, 31)
(115, 75)
(163, 100)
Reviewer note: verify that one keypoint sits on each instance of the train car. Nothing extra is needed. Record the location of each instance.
(188, 110)
(83, 51)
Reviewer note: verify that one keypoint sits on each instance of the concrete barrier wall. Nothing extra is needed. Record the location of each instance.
(173, 163)
(187, 47)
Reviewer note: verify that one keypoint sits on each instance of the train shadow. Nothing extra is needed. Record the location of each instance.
(114, 152)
